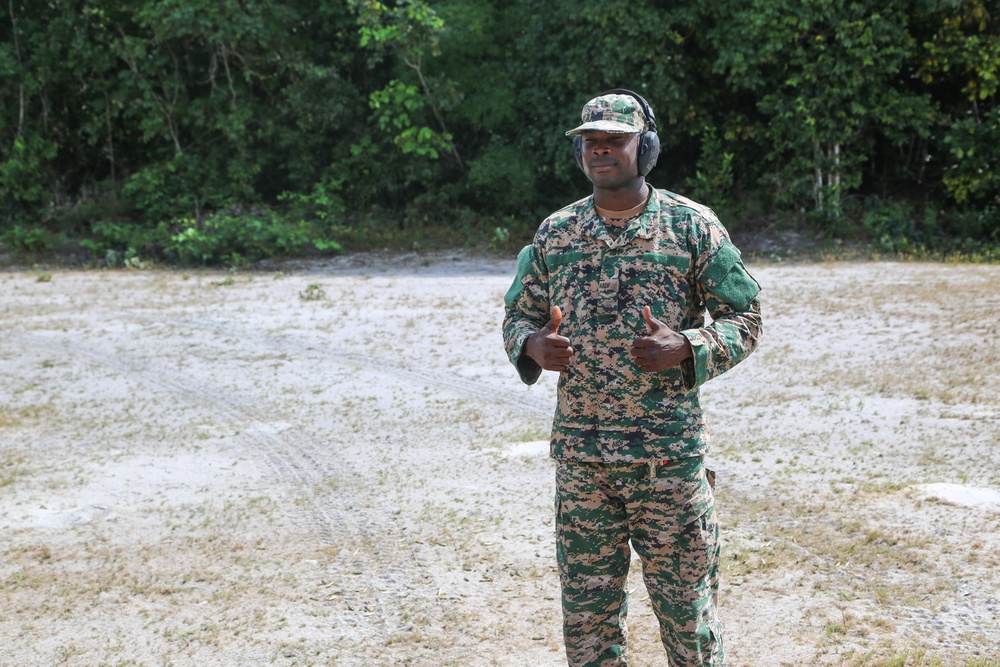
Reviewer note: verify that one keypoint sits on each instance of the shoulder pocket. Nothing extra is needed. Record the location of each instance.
(525, 261)
(728, 279)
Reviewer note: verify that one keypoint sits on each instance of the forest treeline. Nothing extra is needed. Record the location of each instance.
(222, 131)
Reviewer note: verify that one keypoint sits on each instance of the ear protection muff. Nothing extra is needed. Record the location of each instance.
(649, 141)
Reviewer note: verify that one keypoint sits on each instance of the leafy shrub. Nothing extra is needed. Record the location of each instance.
(891, 225)
(236, 239)
(978, 224)
(31, 239)
(121, 244)
(22, 168)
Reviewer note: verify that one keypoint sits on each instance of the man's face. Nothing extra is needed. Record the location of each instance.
(610, 160)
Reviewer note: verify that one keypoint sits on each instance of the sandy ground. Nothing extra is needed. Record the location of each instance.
(333, 464)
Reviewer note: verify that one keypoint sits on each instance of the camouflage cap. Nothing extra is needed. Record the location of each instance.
(612, 113)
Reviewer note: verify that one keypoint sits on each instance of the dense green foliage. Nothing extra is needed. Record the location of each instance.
(220, 131)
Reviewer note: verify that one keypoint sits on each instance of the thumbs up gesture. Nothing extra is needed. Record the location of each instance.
(550, 350)
(663, 348)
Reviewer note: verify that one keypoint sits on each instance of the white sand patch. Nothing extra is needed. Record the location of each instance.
(132, 489)
(534, 448)
(963, 495)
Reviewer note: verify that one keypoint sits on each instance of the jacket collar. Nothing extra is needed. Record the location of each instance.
(590, 222)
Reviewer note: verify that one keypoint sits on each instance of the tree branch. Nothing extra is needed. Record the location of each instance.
(165, 108)
(20, 63)
(437, 114)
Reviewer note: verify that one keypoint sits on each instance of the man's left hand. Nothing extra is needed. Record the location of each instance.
(663, 348)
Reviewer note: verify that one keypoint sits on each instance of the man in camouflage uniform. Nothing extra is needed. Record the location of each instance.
(612, 294)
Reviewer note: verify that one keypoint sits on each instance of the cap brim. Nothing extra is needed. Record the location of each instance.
(604, 126)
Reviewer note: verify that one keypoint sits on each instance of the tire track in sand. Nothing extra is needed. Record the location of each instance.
(290, 453)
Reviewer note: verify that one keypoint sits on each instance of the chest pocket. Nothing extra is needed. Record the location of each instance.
(667, 277)
(679, 262)
(573, 280)
(554, 261)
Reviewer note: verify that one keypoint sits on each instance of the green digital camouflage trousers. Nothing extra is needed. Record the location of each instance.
(667, 510)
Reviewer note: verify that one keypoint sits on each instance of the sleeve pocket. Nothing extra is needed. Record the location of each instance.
(525, 260)
(729, 280)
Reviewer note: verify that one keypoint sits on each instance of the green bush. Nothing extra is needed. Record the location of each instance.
(980, 224)
(120, 244)
(235, 239)
(891, 225)
(24, 239)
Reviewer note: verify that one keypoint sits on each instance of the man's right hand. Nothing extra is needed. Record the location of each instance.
(550, 350)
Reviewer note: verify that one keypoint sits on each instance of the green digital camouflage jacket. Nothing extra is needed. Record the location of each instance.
(676, 258)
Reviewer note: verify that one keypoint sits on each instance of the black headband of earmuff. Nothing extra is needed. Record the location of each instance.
(646, 109)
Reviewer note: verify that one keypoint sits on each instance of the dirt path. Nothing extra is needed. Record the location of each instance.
(335, 465)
